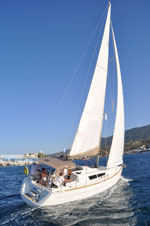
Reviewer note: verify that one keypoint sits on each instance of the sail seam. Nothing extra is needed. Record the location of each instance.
(101, 67)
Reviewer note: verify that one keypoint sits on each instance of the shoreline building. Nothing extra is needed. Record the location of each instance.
(18, 160)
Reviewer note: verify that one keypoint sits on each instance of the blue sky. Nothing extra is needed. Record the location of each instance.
(41, 43)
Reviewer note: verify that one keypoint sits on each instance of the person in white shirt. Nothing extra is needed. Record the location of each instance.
(59, 181)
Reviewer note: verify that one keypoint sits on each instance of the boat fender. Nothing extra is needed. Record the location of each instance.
(26, 170)
(124, 165)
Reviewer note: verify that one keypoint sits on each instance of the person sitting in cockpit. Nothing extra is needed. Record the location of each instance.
(59, 181)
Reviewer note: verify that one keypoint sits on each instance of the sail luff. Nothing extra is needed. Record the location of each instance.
(90, 126)
(117, 147)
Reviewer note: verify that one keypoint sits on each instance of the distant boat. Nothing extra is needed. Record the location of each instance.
(87, 181)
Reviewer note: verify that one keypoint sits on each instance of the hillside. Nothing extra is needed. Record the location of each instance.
(138, 133)
(134, 139)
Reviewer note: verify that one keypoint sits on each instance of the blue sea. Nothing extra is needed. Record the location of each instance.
(127, 203)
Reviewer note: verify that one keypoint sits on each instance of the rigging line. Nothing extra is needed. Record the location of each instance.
(111, 59)
(81, 58)
(85, 83)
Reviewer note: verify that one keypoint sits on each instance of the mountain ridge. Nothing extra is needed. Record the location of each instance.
(134, 139)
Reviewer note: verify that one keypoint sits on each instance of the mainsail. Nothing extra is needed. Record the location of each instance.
(87, 139)
(117, 147)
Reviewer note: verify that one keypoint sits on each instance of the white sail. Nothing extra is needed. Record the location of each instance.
(87, 139)
(117, 147)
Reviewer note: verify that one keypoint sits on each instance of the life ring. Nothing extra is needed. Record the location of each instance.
(26, 170)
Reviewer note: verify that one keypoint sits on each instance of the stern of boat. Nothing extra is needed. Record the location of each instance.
(33, 194)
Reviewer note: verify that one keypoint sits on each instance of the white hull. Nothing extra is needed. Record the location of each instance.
(72, 191)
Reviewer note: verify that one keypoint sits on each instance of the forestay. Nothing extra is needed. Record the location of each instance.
(87, 139)
(117, 147)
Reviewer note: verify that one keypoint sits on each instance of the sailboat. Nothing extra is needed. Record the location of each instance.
(87, 181)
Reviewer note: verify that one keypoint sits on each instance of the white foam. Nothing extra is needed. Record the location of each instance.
(126, 179)
(31, 210)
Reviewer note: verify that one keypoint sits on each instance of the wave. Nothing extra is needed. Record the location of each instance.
(19, 214)
(9, 196)
(126, 179)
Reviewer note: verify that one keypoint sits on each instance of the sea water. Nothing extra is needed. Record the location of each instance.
(127, 203)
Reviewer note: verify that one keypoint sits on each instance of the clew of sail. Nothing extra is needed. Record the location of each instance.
(87, 139)
(117, 147)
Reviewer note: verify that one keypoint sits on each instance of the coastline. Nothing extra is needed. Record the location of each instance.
(134, 151)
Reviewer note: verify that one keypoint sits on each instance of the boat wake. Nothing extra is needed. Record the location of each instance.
(14, 218)
(126, 179)
(96, 208)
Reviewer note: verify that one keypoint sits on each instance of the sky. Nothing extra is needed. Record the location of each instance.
(41, 44)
